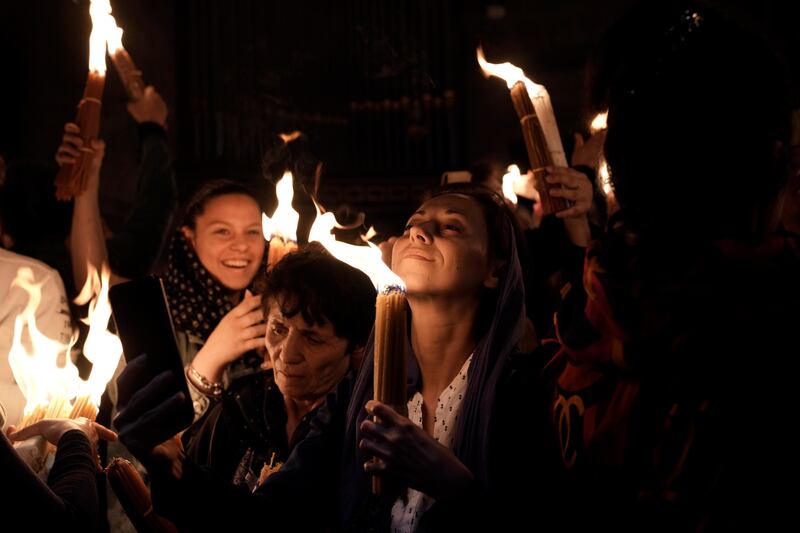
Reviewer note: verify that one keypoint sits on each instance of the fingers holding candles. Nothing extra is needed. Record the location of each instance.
(405, 452)
(572, 185)
(71, 143)
(52, 429)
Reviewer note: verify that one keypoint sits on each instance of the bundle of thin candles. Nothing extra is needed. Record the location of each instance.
(72, 179)
(135, 497)
(389, 370)
(130, 75)
(83, 406)
(536, 145)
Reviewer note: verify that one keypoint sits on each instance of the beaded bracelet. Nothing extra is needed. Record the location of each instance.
(203, 384)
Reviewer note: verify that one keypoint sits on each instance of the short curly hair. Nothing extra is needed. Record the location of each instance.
(322, 289)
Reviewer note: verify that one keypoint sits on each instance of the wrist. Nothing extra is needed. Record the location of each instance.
(210, 364)
(208, 387)
(578, 230)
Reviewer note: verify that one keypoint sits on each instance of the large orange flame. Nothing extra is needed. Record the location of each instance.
(47, 371)
(508, 72)
(540, 99)
(102, 348)
(365, 258)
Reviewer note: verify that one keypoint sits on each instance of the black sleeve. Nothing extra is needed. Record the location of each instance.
(70, 502)
(548, 251)
(133, 250)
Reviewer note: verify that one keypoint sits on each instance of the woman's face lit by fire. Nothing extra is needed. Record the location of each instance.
(444, 250)
(227, 239)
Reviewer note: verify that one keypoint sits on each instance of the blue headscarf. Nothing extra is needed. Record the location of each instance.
(488, 366)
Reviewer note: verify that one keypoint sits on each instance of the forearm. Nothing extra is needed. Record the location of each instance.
(87, 243)
(209, 365)
(578, 231)
(71, 499)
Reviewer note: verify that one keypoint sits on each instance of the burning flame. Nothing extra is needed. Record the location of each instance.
(605, 177)
(283, 222)
(599, 122)
(289, 137)
(365, 258)
(105, 32)
(510, 178)
(508, 72)
(102, 348)
(47, 372)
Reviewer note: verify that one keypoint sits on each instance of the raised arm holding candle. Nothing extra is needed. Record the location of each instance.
(130, 76)
(389, 369)
(72, 177)
(539, 128)
(558, 186)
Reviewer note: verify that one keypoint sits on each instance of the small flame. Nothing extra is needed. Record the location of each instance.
(510, 178)
(47, 372)
(605, 177)
(508, 72)
(367, 259)
(599, 122)
(102, 348)
(283, 222)
(289, 137)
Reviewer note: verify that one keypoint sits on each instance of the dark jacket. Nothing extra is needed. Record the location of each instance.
(670, 396)
(245, 431)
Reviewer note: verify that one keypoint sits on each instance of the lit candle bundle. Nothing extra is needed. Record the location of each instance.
(72, 178)
(46, 375)
(280, 230)
(539, 128)
(390, 366)
(130, 76)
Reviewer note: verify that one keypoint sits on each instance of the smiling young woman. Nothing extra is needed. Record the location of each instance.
(213, 258)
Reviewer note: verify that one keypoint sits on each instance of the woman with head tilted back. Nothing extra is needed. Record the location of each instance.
(670, 398)
(471, 431)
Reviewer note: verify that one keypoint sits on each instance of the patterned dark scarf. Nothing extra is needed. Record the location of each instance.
(196, 299)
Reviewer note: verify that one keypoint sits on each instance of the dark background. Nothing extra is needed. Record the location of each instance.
(388, 93)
